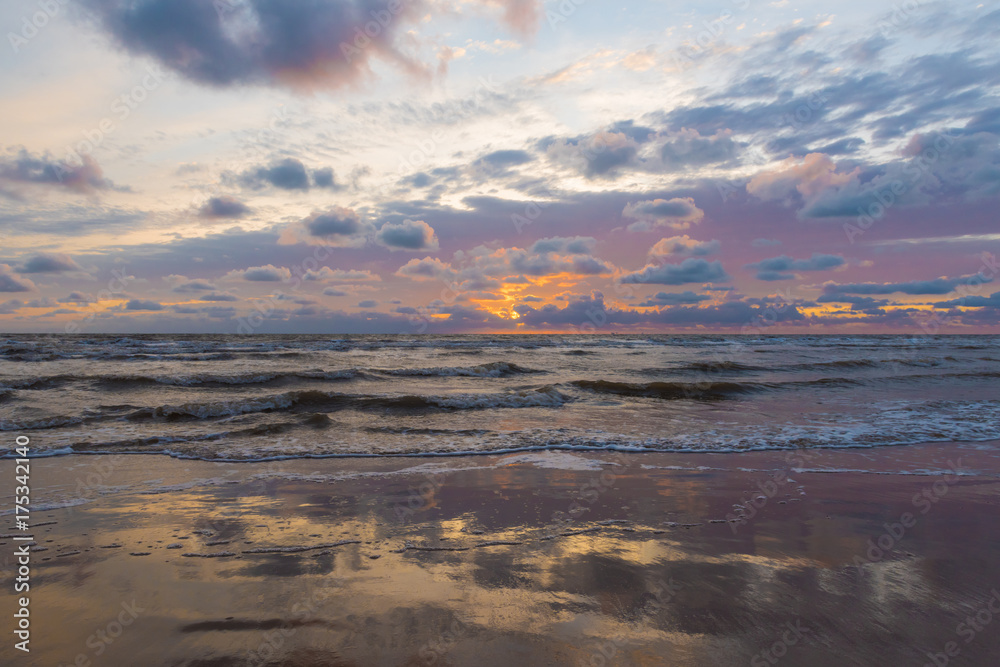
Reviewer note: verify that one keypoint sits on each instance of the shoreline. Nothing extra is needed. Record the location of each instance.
(539, 557)
(582, 449)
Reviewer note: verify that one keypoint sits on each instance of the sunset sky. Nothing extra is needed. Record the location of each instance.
(413, 166)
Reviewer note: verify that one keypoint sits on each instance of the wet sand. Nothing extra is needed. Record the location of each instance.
(554, 558)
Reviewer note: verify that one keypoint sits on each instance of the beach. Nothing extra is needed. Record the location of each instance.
(851, 556)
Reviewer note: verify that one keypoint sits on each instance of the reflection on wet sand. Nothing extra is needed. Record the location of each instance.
(503, 561)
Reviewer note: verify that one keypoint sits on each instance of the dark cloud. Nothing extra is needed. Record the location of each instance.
(506, 158)
(338, 222)
(673, 299)
(367, 303)
(590, 313)
(688, 148)
(266, 274)
(143, 304)
(775, 267)
(217, 296)
(973, 301)
(24, 167)
(774, 275)
(10, 307)
(407, 235)
(302, 45)
(79, 298)
(338, 226)
(49, 263)
(936, 286)
(601, 155)
(287, 174)
(9, 282)
(324, 178)
(223, 207)
(194, 286)
(689, 271)
(636, 133)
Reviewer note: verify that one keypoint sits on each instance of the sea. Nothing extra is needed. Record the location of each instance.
(262, 397)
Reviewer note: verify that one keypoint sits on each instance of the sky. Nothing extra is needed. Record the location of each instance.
(499, 166)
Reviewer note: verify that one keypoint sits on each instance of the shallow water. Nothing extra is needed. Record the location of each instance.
(252, 398)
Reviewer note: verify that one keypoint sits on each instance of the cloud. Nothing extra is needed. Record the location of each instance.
(774, 268)
(367, 303)
(684, 245)
(79, 298)
(142, 304)
(673, 299)
(338, 227)
(972, 301)
(544, 258)
(688, 148)
(49, 263)
(504, 159)
(287, 174)
(330, 291)
(326, 274)
(324, 178)
(223, 207)
(679, 213)
(217, 296)
(298, 45)
(810, 176)
(582, 313)
(936, 286)
(691, 270)
(407, 235)
(579, 245)
(601, 155)
(267, 273)
(9, 282)
(10, 307)
(25, 168)
(428, 268)
(192, 285)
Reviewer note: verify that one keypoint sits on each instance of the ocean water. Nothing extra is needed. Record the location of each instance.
(265, 397)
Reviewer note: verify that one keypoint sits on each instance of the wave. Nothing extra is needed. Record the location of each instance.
(670, 390)
(546, 396)
(707, 390)
(493, 369)
(217, 379)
